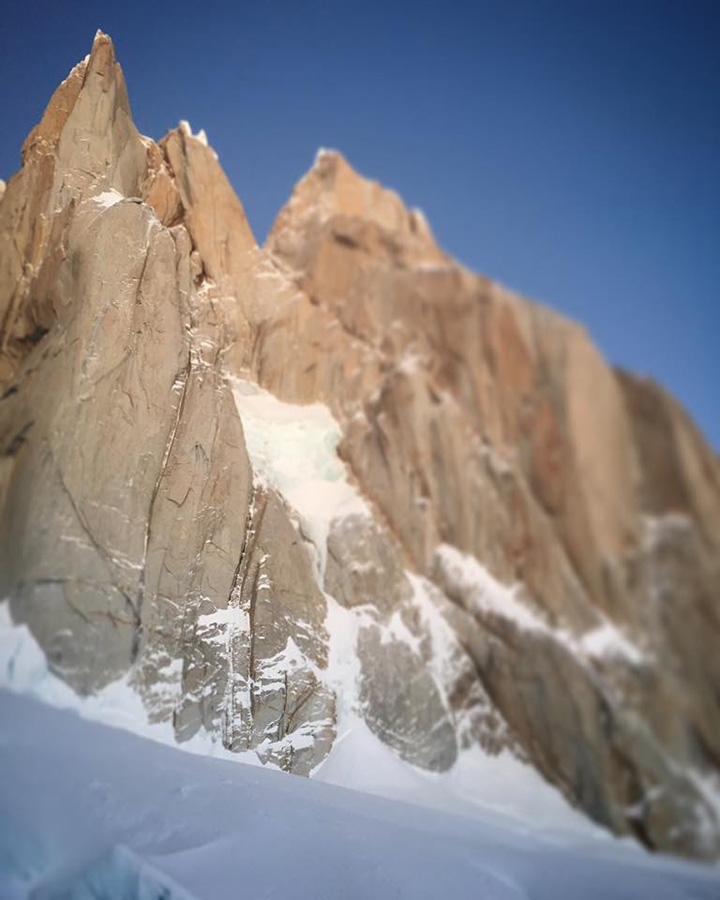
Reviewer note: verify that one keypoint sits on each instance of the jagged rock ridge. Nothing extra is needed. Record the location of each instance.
(526, 554)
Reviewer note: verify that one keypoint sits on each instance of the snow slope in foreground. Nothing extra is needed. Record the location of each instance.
(91, 811)
(491, 788)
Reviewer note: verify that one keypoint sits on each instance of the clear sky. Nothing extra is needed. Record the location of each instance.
(568, 148)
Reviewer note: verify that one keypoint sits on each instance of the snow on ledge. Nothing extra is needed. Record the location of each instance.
(608, 641)
(107, 198)
(485, 594)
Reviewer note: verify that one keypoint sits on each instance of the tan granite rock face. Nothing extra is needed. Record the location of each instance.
(537, 565)
(491, 424)
(576, 724)
(679, 563)
(126, 489)
(459, 371)
(417, 432)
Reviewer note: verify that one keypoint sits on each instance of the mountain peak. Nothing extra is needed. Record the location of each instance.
(332, 194)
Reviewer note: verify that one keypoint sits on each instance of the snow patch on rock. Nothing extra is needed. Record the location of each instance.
(107, 198)
(483, 594)
(464, 575)
(608, 641)
(293, 448)
(659, 529)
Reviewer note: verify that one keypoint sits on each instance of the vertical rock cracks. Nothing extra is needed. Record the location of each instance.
(180, 382)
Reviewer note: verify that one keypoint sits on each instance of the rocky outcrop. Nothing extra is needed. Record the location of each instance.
(128, 529)
(530, 556)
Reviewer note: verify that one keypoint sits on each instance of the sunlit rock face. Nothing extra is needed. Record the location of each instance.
(133, 539)
(276, 487)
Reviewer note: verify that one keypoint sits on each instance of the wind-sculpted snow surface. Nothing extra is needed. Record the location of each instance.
(479, 782)
(89, 811)
(339, 494)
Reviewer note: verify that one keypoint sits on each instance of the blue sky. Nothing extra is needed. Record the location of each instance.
(568, 149)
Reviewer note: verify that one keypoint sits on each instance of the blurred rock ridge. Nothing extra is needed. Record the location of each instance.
(273, 487)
